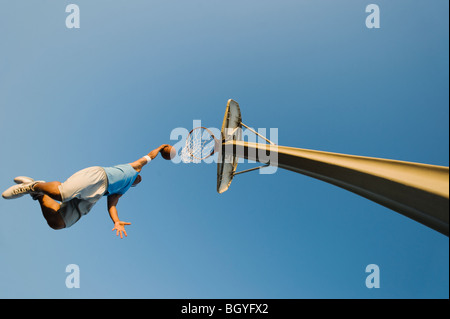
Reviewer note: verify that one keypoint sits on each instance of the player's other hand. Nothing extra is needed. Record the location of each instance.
(119, 227)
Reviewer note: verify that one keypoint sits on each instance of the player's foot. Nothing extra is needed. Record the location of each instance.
(19, 190)
(26, 179)
(23, 179)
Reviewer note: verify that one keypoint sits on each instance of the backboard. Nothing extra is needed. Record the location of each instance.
(231, 130)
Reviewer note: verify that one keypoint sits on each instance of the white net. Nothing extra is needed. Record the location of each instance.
(200, 144)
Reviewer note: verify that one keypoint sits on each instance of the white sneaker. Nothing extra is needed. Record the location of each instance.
(23, 179)
(17, 191)
(26, 179)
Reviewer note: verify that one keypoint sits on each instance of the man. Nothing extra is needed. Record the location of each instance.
(79, 193)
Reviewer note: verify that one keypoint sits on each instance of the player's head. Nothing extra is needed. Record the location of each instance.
(137, 181)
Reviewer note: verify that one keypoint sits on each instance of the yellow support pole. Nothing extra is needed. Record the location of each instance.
(418, 191)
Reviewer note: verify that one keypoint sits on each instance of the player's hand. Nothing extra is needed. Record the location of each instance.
(119, 227)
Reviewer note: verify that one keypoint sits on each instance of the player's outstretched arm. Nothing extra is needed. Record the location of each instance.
(137, 165)
(119, 226)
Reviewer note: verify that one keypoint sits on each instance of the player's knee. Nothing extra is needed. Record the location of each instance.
(56, 224)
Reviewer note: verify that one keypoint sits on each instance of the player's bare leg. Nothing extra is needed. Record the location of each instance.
(50, 211)
(50, 189)
(47, 194)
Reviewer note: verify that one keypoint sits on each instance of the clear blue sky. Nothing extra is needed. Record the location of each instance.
(109, 92)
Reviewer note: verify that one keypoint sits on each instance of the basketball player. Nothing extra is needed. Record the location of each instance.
(78, 194)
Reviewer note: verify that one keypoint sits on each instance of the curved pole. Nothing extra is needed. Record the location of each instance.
(418, 191)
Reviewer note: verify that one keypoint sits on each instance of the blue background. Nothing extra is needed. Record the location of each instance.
(114, 89)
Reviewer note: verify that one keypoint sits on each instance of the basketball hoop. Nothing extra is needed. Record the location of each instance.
(200, 144)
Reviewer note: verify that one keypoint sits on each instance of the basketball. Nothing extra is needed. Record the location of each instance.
(168, 152)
